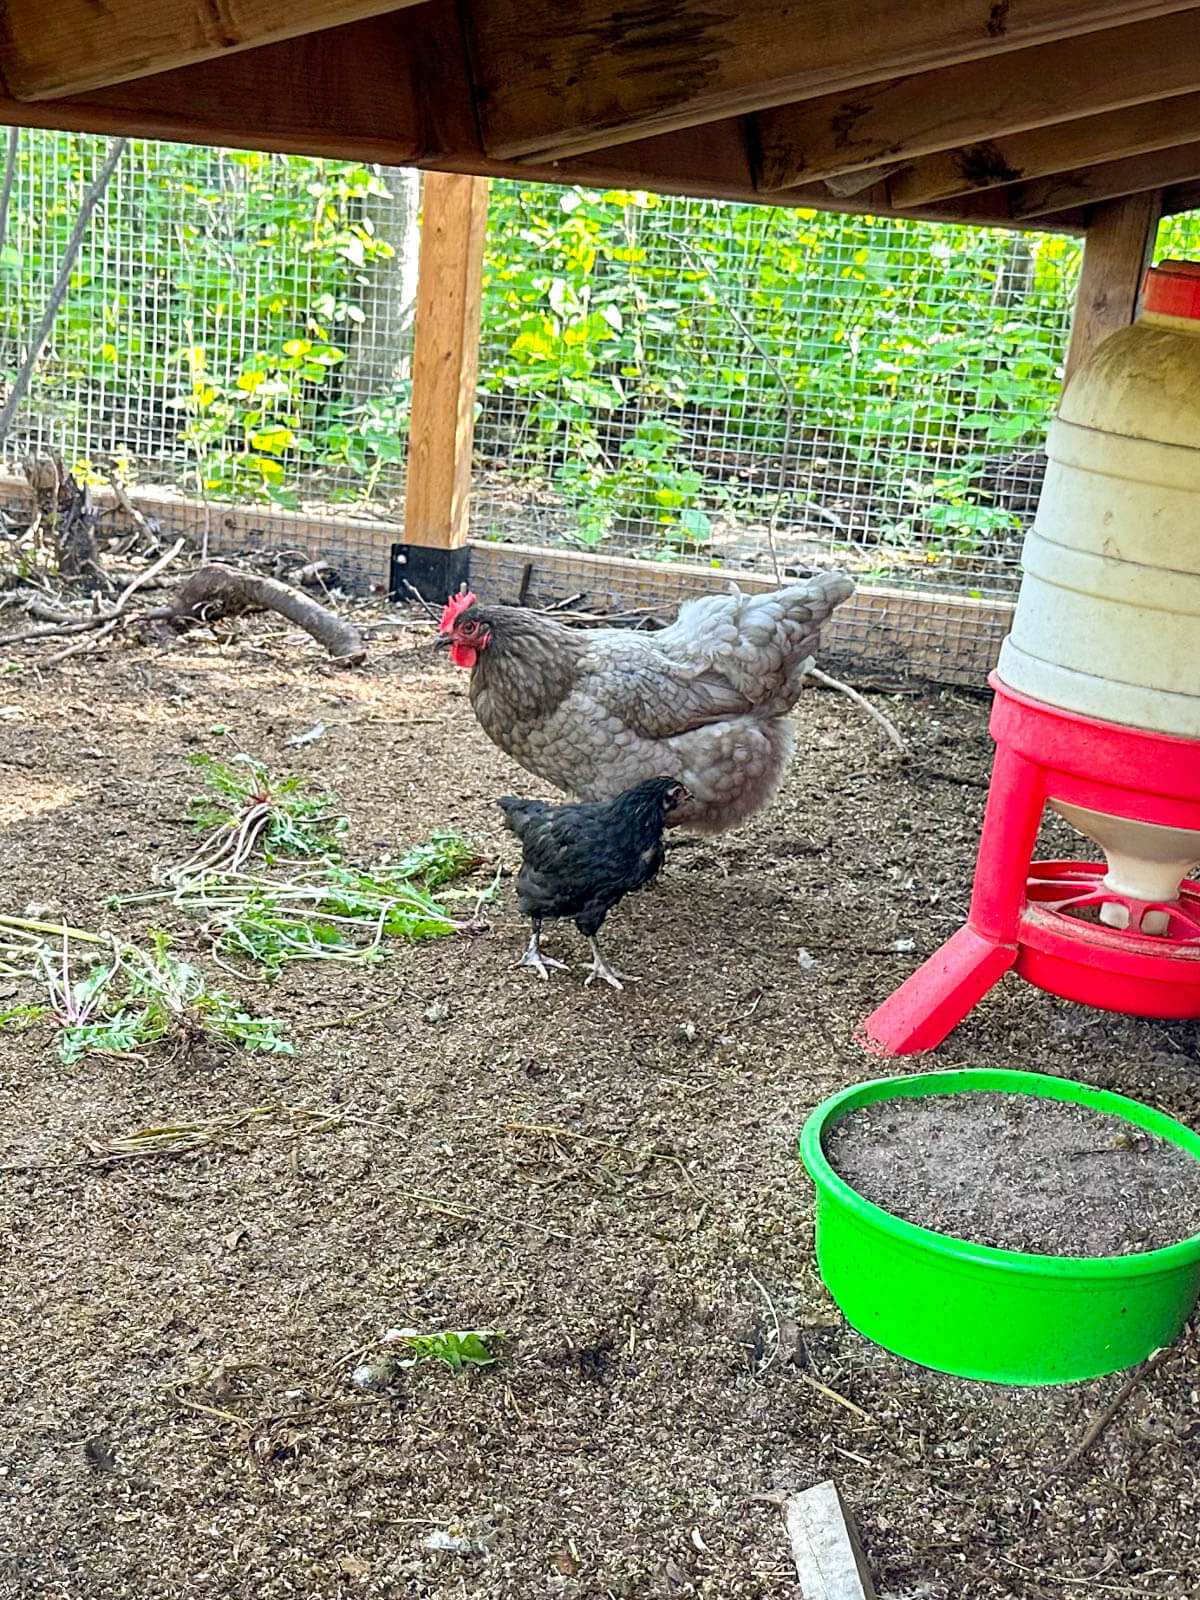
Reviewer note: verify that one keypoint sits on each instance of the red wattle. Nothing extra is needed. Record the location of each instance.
(462, 655)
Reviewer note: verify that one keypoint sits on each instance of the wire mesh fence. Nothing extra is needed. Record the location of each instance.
(681, 382)
(238, 328)
(670, 378)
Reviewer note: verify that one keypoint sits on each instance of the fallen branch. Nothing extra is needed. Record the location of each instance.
(216, 590)
(886, 723)
(105, 619)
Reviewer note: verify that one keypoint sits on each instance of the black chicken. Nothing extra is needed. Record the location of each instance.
(579, 860)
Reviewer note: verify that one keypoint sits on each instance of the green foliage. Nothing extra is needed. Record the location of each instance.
(284, 817)
(660, 367)
(455, 1348)
(225, 303)
(139, 999)
(338, 914)
(331, 912)
(21, 1017)
(444, 857)
(172, 994)
(896, 350)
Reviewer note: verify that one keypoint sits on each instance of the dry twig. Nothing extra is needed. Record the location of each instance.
(886, 723)
(1098, 1424)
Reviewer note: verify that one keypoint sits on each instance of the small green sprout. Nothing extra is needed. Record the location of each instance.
(456, 1348)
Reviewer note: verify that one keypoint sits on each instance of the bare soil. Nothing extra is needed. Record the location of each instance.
(1019, 1172)
(609, 1179)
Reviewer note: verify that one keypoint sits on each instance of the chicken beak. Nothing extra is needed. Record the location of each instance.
(443, 641)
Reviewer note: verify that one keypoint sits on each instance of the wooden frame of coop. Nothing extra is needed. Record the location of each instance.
(1074, 115)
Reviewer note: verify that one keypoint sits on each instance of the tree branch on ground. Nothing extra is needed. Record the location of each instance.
(215, 591)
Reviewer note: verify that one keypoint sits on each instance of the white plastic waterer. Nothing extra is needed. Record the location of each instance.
(1108, 620)
(1096, 709)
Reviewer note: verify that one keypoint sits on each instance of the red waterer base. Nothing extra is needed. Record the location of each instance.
(1038, 917)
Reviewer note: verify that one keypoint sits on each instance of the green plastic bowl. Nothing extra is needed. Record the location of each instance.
(999, 1315)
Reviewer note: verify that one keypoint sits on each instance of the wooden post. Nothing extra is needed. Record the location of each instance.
(1116, 252)
(445, 360)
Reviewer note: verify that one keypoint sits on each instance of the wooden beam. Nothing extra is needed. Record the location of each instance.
(1181, 197)
(445, 358)
(562, 79)
(913, 116)
(395, 89)
(1042, 151)
(1090, 186)
(356, 91)
(1118, 249)
(71, 46)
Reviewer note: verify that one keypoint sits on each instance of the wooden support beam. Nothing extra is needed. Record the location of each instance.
(445, 357)
(1181, 197)
(561, 79)
(395, 89)
(904, 117)
(1118, 248)
(1091, 186)
(356, 92)
(1042, 151)
(71, 46)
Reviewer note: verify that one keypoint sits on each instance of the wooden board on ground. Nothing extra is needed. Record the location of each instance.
(829, 1559)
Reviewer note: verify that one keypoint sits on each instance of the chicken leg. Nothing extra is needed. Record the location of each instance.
(601, 969)
(534, 958)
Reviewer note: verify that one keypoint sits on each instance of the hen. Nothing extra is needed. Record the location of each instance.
(579, 860)
(704, 701)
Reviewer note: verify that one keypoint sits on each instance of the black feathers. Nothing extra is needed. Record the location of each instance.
(579, 860)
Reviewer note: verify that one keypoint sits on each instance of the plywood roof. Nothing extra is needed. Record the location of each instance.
(1012, 112)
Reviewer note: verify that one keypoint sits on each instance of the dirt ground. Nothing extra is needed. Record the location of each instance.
(176, 1335)
(1019, 1172)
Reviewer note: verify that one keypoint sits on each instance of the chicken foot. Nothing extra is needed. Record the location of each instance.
(601, 969)
(534, 958)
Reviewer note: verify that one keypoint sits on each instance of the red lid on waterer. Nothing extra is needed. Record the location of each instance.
(1172, 289)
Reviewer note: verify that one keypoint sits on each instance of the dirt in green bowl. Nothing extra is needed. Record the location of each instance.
(1019, 1172)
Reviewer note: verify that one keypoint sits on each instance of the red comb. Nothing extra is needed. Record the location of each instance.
(456, 604)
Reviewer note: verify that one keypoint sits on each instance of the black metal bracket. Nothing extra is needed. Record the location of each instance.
(434, 574)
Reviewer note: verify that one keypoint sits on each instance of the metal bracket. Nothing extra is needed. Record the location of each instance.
(435, 574)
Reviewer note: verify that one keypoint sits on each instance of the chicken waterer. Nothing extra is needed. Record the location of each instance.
(1097, 705)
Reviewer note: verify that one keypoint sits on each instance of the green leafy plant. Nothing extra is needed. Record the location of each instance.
(332, 912)
(247, 810)
(139, 999)
(21, 1016)
(456, 1349)
(176, 1002)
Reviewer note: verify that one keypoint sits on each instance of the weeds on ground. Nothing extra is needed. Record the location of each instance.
(135, 1000)
(456, 1348)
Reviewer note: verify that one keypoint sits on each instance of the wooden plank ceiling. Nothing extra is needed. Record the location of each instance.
(1012, 112)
